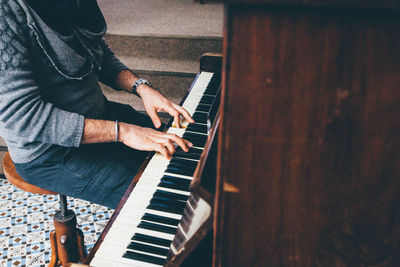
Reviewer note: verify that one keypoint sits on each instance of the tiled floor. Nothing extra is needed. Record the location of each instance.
(26, 221)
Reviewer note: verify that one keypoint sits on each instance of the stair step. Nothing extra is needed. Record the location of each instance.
(169, 49)
(163, 18)
(157, 66)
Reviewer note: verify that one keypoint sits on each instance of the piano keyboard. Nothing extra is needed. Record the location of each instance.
(143, 232)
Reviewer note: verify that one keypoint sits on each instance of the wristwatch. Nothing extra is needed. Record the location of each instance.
(139, 82)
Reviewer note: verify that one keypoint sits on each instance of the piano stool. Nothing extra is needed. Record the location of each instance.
(66, 240)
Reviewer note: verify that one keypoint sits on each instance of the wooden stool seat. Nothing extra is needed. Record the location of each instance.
(66, 240)
(12, 176)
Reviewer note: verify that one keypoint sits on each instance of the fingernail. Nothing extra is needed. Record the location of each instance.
(190, 144)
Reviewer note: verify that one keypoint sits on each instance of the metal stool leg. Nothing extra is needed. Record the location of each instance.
(67, 240)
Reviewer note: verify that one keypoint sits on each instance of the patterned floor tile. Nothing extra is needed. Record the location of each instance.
(26, 221)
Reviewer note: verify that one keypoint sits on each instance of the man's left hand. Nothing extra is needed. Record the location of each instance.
(154, 102)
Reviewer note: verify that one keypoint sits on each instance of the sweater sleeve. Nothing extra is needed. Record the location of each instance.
(24, 115)
(111, 66)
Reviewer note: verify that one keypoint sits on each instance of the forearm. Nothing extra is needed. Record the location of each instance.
(98, 131)
(125, 80)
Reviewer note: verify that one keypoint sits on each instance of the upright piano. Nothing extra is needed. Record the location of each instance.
(308, 151)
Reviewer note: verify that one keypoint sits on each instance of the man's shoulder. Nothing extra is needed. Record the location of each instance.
(13, 32)
(12, 10)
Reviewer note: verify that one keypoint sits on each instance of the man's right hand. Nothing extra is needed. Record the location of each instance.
(147, 139)
(151, 140)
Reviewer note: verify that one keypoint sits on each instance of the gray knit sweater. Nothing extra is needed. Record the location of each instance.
(46, 87)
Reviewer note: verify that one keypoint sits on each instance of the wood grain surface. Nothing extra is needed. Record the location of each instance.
(309, 143)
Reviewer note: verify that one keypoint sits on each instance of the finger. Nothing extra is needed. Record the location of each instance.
(170, 146)
(160, 148)
(189, 144)
(154, 117)
(174, 113)
(184, 113)
(179, 141)
(176, 120)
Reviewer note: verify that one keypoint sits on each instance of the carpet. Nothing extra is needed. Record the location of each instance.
(26, 220)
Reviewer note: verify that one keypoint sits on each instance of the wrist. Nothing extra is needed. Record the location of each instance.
(116, 127)
(121, 131)
(139, 84)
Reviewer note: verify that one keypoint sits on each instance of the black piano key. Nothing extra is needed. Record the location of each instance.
(157, 227)
(143, 257)
(200, 115)
(203, 108)
(169, 202)
(198, 128)
(181, 166)
(210, 91)
(150, 249)
(163, 207)
(176, 180)
(195, 136)
(200, 119)
(185, 155)
(213, 85)
(152, 240)
(181, 171)
(172, 185)
(185, 162)
(198, 140)
(191, 150)
(160, 219)
(206, 99)
(193, 153)
(174, 169)
(171, 195)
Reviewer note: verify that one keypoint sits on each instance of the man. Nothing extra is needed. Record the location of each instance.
(62, 133)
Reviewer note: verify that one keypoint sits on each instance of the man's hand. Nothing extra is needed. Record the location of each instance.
(100, 131)
(151, 140)
(154, 102)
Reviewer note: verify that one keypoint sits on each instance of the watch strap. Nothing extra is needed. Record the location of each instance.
(139, 82)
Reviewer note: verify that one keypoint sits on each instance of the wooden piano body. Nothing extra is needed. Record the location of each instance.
(310, 134)
(308, 160)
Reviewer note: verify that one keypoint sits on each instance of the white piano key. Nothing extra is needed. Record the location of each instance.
(155, 233)
(164, 214)
(179, 175)
(174, 191)
(99, 262)
(150, 244)
(146, 253)
(132, 214)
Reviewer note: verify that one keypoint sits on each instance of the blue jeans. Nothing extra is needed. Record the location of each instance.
(99, 173)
